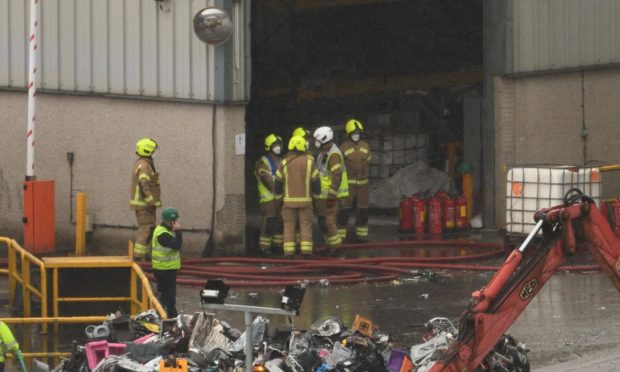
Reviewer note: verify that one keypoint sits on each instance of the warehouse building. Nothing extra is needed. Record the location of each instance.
(510, 82)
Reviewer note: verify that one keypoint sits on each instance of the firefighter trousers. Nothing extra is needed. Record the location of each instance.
(271, 225)
(290, 218)
(358, 199)
(146, 221)
(327, 213)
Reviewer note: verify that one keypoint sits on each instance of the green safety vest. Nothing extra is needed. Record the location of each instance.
(325, 174)
(7, 341)
(264, 194)
(164, 258)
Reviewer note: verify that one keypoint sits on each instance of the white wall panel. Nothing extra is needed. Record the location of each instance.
(133, 61)
(116, 46)
(150, 55)
(49, 45)
(83, 46)
(124, 47)
(18, 28)
(67, 45)
(166, 51)
(4, 43)
(559, 34)
(99, 45)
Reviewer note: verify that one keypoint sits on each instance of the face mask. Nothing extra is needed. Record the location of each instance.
(355, 137)
(317, 144)
(276, 150)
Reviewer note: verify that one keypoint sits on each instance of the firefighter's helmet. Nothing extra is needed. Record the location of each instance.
(297, 143)
(301, 132)
(270, 140)
(146, 147)
(352, 126)
(323, 135)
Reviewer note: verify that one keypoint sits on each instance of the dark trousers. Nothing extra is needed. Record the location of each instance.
(167, 290)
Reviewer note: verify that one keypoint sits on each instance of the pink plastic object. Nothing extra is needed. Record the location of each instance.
(97, 350)
(143, 339)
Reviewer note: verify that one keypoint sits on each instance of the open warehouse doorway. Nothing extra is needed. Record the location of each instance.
(410, 70)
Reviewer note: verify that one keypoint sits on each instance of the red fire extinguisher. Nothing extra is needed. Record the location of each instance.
(448, 212)
(434, 215)
(419, 214)
(461, 213)
(405, 214)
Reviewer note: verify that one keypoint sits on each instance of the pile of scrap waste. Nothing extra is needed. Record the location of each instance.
(202, 342)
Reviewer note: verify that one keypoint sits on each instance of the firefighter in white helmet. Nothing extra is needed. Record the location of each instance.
(357, 158)
(334, 185)
(270, 202)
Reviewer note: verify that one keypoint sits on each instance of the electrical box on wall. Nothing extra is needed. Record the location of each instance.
(39, 217)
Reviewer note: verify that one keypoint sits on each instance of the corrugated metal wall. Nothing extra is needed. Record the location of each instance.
(126, 47)
(559, 34)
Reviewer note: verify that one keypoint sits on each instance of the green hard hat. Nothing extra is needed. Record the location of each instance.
(169, 214)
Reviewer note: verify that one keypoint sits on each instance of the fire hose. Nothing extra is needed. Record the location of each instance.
(264, 272)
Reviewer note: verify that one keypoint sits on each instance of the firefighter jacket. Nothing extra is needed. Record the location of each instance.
(357, 160)
(298, 177)
(7, 341)
(265, 172)
(334, 180)
(166, 245)
(145, 189)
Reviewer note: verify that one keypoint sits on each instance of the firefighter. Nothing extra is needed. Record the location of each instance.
(357, 160)
(166, 258)
(145, 194)
(270, 202)
(334, 185)
(8, 343)
(298, 180)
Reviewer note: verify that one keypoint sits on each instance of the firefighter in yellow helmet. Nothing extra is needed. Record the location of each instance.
(334, 185)
(8, 343)
(270, 202)
(298, 180)
(305, 134)
(145, 194)
(357, 158)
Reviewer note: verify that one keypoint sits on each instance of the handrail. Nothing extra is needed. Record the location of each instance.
(147, 299)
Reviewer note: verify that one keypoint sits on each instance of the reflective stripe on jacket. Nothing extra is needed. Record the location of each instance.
(164, 258)
(145, 189)
(7, 341)
(357, 158)
(264, 172)
(329, 165)
(297, 172)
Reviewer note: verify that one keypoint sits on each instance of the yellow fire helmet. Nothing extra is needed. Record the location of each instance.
(270, 140)
(297, 143)
(146, 147)
(301, 132)
(352, 126)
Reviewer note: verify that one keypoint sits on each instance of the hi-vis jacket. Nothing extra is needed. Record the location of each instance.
(300, 178)
(145, 189)
(265, 172)
(334, 180)
(166, 245)
(7, 341)
(357, 159)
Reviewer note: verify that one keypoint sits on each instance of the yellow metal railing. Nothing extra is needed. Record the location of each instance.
(146, 299)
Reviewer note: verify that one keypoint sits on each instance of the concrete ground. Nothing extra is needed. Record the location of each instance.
(571, 325)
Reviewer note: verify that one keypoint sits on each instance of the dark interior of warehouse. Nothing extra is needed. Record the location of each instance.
(410, 70)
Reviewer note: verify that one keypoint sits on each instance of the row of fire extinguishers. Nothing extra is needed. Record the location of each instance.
(611, 210)
(433, 214)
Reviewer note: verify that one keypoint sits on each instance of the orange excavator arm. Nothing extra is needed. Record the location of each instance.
(494, 308)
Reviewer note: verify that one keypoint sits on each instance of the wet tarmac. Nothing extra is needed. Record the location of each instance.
(572, 324)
